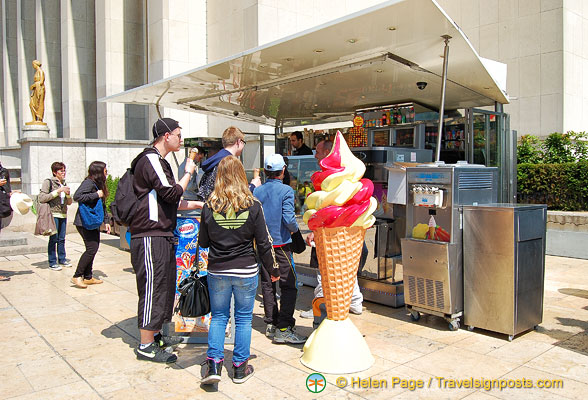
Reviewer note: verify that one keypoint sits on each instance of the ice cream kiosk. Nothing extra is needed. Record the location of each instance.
(417, 92)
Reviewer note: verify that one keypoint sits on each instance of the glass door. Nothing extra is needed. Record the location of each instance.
(488, 144)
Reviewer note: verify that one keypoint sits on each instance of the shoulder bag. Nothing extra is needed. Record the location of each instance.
(45, 222)
(194, 297)
(5, 209)
(92, 217)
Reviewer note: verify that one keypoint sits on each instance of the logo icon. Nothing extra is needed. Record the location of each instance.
(187, 228)
(316, 383)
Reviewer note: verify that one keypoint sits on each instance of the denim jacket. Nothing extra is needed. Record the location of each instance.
(277, 200)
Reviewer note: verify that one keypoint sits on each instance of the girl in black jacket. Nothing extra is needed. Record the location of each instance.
(232, 221)
(92, 189)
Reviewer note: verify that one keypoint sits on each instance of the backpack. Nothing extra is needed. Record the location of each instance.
(124, 206)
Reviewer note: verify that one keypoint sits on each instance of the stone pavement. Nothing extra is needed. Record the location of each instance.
(62, 342)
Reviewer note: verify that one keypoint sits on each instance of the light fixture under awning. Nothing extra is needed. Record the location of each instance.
(324, 74)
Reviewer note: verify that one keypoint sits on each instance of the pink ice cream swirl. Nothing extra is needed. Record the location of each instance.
(342, 197)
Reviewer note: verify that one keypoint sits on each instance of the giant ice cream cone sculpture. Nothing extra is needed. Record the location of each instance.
(339, 213)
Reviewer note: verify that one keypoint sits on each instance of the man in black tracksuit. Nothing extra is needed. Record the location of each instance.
(152, 238)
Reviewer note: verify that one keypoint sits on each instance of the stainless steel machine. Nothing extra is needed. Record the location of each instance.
(377, 279)
(504, 266)
(433, 265)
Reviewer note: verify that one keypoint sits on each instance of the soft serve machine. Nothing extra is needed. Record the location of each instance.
(432, 252)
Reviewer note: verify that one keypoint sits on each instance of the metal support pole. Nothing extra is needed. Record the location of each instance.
(443, 86)
(261, 150)
(277, 131)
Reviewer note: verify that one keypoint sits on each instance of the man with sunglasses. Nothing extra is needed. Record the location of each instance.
(233, 144)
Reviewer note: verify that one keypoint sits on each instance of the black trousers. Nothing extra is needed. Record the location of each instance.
(284, 316)
(154, 262)
(92, 242)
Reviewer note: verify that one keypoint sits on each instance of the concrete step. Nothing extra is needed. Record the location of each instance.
(17, 241)
(20, 243)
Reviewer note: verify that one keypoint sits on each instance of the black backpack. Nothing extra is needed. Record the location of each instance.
(124, 206)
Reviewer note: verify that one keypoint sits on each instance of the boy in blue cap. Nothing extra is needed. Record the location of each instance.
(277, 200)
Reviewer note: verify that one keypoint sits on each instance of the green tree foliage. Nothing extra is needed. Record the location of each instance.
(557, 149)
(111, 184)
(560, 186)
(529, 150)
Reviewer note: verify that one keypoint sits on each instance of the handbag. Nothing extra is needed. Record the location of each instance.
(45, 222)
(5, 209)
(298, 245)
(92, 217)
(194, 297)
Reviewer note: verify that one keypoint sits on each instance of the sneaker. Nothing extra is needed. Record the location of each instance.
(154, 353)
(167, 342)
(242, 372)
(357, 310)
(270, 330)
(66, 264)
(307, 314)
(55, 267)
(213, 375)
(288, 336)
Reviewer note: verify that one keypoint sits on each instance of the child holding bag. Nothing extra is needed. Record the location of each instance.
(91, 196)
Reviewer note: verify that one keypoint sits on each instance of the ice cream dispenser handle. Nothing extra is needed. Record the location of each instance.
(427, 196)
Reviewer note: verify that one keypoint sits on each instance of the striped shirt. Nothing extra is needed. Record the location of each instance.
(249, 271)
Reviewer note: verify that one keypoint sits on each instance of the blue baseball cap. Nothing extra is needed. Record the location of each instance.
(274, 162)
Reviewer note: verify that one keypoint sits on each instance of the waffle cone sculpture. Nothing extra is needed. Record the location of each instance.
(338, 251)
(339, 213)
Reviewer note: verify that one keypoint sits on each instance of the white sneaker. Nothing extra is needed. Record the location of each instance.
(307, 314)
(55, 267)
(66, 264)
(357, 310)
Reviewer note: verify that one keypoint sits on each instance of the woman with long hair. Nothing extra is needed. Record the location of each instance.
(91, 190)
(232, 226)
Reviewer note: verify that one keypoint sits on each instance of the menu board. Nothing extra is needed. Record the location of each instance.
(381, 138)
(404, 137)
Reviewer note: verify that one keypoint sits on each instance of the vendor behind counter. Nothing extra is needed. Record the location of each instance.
(192, 188)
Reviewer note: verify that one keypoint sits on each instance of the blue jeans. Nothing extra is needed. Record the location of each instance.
(59, 240)
(221, 289)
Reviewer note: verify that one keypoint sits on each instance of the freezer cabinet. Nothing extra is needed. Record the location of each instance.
(504, 266)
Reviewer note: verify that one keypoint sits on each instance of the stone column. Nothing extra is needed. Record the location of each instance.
(3, 83)
(177, 43)
(9, 74)
(78, 69)
(120, 61)
(48, 52)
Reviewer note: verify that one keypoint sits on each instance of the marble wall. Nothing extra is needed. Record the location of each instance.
(38, 154)
(529, 36)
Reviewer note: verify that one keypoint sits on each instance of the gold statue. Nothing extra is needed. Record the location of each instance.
(37, 103)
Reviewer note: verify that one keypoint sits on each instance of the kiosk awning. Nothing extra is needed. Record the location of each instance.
(322, 75)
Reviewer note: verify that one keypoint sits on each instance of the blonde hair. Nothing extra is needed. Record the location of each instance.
(230, 188)
(231, 135)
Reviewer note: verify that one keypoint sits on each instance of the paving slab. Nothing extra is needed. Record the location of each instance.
(66, 342)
